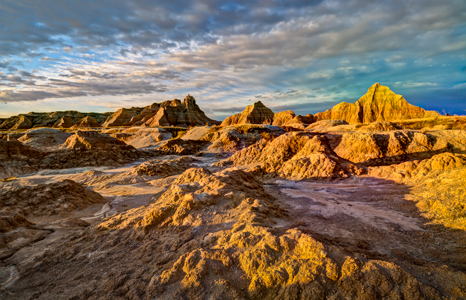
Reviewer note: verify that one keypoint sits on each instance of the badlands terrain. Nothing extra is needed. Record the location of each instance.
(362, 201)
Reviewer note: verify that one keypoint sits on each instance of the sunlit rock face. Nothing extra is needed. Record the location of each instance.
(378, 104)
(257, 113)
(168, 113)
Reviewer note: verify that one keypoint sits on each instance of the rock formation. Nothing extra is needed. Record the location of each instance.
(64, 122)
(52, 119)
(378, 104)
(122, 116)
(47, 199)
(140, 137)
(87, 122)
(168, 113)
(281, 118)
(257, 113)
(295, 155)
(44, 138)
(22, 123)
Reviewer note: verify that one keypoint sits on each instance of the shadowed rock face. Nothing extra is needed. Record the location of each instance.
(378, 104)
(64, 122)
(257, 113)
(168, 113)
(87, 122)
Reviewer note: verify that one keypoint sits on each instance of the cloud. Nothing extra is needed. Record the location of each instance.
(46, 58)
(229, 53)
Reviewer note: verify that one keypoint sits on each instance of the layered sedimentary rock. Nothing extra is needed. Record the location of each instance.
(257, 113)
(378, 104)
(88, 122)
(44, 138)
(295, 155)
(281, 118)
(122, 116)
(22, 123)
(47, 199)
(64, 122)
(64, 118)
(168, 113)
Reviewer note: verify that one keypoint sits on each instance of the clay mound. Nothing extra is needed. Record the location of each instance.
(257, 113)
(226, 141)
(47, 199)
(143, 137)
(122, 116)
(92, 140)
(90, 148)
(22, 123)
(86, 122)
(182, 201)
(327, 125)
(163, 168)
(11, 222)
(180, 147)
(44, 138)
(64, 122)
(378, 126)
(17, 159)
(223, 236)
(283, 117)
(296, 155)
(17, 232)
(416, 169)
(378, 104)
(390, 147)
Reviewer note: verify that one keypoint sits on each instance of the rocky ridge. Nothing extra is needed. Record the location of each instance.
(378, 104)
(168, 113)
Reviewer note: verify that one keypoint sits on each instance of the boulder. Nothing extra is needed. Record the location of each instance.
(378, 104)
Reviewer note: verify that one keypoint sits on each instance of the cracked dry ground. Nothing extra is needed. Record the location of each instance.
(215, 233)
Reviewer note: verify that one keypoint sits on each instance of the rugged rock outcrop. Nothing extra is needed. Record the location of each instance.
(46, 199)
(257, 113)
(163, 168)
(295, 155)
(168, 113)
(180, 147)
(51, 119)
(378, 104)
(17, 159)
(64, 122)
(43, 138)
(283, 117)
(86, 122)
(22, 123)
(122, 116)
(140, 137)
(288, 118)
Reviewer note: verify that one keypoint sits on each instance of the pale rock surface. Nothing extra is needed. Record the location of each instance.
(143, 137)
(44, 138)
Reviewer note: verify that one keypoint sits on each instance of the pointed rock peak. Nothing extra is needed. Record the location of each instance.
(259, 104)
(189, 101)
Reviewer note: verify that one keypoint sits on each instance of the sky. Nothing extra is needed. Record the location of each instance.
(303, 55)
